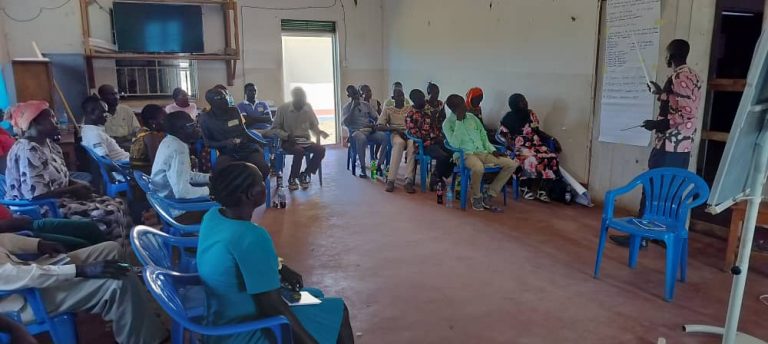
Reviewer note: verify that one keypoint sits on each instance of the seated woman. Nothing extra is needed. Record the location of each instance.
(524, 138)
(72, 234)
(36, 170)
(237, 262)
(144, 147)
(473, 101)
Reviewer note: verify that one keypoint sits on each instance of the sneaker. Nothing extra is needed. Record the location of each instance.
(390, 186)
(477, 204)
(293, 184)
(488, 201)
(409, 188)
(304, 180)
(363, 175)
(528, 194)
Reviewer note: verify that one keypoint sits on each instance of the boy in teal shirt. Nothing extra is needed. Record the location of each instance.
(465, 131)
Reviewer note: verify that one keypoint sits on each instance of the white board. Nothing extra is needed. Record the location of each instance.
(732, 175)
(632, 25)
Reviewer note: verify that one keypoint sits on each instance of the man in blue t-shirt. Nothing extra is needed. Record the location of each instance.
(257, 112)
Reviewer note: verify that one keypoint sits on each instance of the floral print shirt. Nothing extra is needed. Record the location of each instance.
(428, 128)
(34, 170)
(679, 104)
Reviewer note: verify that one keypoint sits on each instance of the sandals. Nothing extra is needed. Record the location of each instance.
(528, 193)
(542, 196)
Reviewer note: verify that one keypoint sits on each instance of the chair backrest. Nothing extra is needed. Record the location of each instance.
(154, 248)
(164, 286)
(144, 181)
(106, 165)
(500, 138)
(670, 193)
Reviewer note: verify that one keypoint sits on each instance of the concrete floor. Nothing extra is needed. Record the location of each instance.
(414, 272)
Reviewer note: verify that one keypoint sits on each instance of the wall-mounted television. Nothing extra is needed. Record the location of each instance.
(158, 28)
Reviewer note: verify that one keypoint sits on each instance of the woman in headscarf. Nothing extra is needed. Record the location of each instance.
(36, 170)
(525, 141)
(474, 98)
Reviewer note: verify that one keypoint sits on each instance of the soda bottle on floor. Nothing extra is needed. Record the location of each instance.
(449, 198)
(373, 170)
(439, 193)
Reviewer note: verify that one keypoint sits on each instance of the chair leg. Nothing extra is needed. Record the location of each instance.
(673, 252)
(267, 184)
(600, 248)
(516, 187)
(63, 329)
(423, 171)
(177, 333)
(634, 250)
(683, 259)
(504, 191)
(464, 189)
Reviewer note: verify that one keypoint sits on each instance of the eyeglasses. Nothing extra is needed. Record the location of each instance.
(190, 126)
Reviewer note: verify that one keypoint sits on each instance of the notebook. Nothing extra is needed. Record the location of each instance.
(306, 299)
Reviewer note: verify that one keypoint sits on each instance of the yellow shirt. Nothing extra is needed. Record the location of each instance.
(123, 123)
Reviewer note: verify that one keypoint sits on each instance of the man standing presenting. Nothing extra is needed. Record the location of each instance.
(675, 126)
(122, 125)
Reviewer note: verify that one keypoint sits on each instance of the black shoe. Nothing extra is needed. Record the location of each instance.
(304, 180)
(363, 176)
(623, 241)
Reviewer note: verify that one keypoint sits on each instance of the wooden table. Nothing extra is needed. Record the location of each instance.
(68, 148)
(734, 235)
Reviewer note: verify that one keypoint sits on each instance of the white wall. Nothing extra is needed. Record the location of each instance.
(614, 165)
(545, 50)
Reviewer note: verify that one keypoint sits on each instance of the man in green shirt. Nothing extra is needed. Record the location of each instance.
(465, 131)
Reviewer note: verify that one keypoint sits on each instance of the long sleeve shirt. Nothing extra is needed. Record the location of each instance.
(358, 116)
(680, 104)
(17, 274)
(423, 126)
(96, 138)
(468, 134)
(298, 123)
(172, 175)
(394, 117)
(123, 123)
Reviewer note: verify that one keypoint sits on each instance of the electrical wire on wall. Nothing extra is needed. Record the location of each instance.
(39, 12)
(335, 2)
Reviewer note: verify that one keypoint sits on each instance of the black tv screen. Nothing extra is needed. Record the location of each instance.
(158, 28)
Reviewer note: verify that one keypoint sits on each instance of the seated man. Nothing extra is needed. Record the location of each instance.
(393, 120)
(181, 103)
(397, 85)
(72, 234)
(144, 147)
(465, 131)
(90, 281)
(427, 126)
(293, 124)
(224, 129)
(94, 134)
(257, 114)
(359, 117)
(121, 124)
(367, 94)
(172, 175)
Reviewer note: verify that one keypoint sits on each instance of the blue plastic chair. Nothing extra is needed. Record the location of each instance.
(352, 153)
(31, 208)
(61, 327)
(155, 248)
(112, 186)
(464, 174)
(280, 154)
(165, 207)
(670, 193)
(423, 159)
(165, 287)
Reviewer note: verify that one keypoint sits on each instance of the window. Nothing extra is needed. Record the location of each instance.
(155, 78)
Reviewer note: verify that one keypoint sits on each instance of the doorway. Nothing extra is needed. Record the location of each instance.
(310, 61)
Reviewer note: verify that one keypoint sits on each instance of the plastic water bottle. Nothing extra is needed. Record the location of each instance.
(281, 204)
(449, 198)
(439, 193)
(373, 170)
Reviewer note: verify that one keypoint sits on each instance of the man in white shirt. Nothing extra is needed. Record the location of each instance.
(122, 123)
(172, 175)
(89, 280)
(93, 132)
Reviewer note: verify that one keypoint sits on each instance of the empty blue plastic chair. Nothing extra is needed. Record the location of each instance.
(670, 193)
(61, 327)
(155, 248)
(464, 174)
(108, 168)
(31, 208)
(423, 159)
(165, 285)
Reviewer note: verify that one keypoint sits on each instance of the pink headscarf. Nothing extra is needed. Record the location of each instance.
(22, 114)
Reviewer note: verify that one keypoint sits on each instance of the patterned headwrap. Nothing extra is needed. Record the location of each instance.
(472, 93)
(22, 114)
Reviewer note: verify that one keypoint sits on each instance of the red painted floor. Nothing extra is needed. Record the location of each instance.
(414, 272)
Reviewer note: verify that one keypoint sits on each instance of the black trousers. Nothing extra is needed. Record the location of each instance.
(317, 151)
(255, 157)
(444, 164)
